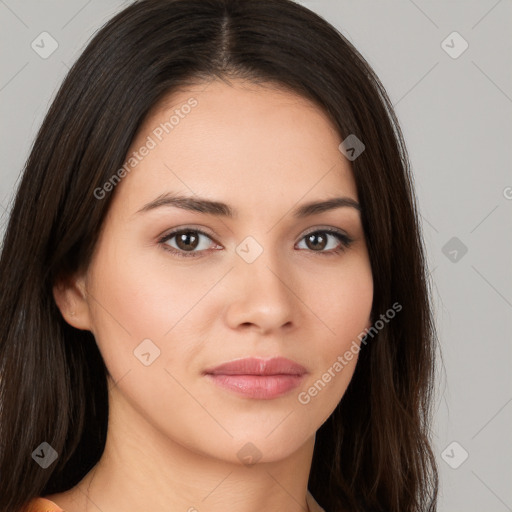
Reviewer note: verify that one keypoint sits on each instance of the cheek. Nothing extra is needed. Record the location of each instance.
(149, 302)
(345, 310)
(345, 302)
(142, 293)
(138, 297)
(344, 307)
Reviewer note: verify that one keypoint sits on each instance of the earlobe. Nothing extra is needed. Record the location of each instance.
(71, 299)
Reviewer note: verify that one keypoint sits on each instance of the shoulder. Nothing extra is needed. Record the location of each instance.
(42, 505)
(312, 503)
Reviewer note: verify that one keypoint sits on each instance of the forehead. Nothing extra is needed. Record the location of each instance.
(245, 144)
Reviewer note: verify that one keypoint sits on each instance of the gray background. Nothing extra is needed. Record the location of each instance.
(456, 118)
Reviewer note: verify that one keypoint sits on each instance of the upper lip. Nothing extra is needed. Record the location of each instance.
(258, 366)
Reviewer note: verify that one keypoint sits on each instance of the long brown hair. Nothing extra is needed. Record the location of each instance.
(373, 453)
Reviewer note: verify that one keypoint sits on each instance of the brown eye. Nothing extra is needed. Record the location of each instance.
(187, 243)
(320, 241)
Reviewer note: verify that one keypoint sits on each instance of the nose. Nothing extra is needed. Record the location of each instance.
(263, 296)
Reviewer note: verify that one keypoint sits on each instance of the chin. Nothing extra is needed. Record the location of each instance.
(265, 445)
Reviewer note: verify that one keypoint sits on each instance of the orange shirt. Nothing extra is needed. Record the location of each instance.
(43, 505)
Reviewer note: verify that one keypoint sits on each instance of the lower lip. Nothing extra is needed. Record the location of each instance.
(263, 387)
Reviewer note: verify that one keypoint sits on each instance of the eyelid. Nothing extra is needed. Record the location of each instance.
(328, 229)
(188, 227)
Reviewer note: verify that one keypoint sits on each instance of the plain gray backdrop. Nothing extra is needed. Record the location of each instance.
(447, 67)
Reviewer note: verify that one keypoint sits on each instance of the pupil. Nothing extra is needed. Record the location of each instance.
(313, 236)
(182, 240)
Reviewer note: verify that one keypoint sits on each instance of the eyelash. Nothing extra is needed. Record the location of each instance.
(344, 239)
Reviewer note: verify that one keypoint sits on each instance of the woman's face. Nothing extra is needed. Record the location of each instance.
(263, 282)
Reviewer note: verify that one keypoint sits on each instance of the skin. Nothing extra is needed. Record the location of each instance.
(173, 436)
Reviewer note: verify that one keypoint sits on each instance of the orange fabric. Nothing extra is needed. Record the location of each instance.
(43, 505)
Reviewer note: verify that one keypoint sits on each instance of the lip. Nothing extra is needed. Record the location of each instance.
(258, 378)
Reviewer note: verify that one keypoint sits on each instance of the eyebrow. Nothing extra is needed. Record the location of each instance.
(206, 206)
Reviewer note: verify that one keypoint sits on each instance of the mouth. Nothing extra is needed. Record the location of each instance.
(258, 378)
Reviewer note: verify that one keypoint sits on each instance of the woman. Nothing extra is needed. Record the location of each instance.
(214, 284)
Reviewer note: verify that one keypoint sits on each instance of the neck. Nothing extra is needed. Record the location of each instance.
(152, 472)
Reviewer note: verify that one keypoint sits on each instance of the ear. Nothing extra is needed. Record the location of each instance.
(71, 298)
